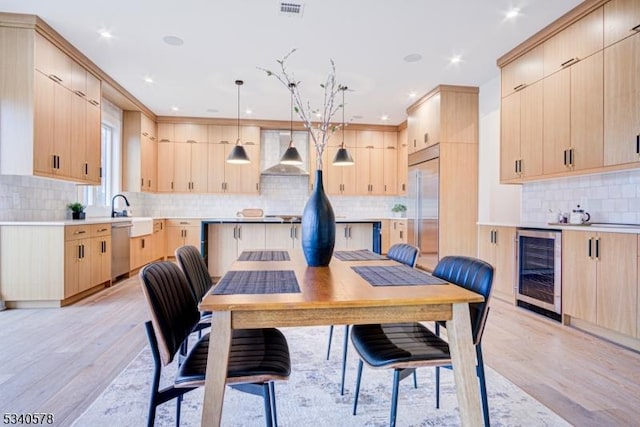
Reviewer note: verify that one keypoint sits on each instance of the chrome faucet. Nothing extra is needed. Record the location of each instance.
(113, 211)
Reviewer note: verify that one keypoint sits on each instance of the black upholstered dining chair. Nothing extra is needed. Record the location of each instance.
(401, 252)
(257, 357)
(197, 274)
(404, 347)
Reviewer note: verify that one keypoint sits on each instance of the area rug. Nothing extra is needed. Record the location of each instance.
(312, 395)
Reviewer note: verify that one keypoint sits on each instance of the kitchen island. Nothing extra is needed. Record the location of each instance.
(224, 239)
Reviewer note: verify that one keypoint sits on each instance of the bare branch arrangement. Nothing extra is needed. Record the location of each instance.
(321, 129)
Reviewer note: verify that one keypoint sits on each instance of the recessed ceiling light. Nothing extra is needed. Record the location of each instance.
(413, 57)
(173, 40)
(105, 34)
(248, 111)
(212, 110)
(512, 13)
(174, 108)
(412, 94)
(456, 59)
(384, 118)
(148, 79)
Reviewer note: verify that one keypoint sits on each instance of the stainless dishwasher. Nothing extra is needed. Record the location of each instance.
(119, 248)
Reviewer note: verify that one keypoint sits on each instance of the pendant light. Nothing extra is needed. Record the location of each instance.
(342, 158)
(238, 155)
(291, 156)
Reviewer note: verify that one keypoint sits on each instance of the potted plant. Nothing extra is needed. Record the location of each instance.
(77, 210)
(399, 209)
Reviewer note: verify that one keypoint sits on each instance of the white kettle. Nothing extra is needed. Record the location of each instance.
(579, 216)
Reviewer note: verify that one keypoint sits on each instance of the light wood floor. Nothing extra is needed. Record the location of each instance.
(60, 360)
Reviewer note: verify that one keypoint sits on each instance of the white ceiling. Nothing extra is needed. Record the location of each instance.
(228, 40)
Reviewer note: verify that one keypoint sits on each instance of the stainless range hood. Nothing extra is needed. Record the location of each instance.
(274, 143)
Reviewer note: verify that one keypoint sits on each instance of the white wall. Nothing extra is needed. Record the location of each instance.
(497, 203)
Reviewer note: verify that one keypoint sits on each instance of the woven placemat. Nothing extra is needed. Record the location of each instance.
(396, 275)
(264, 256)
(257, 282)
(359, 255)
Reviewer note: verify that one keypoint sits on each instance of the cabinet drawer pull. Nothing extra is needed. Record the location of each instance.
(589, 251)
(80, 232)
(79, 93)
(191, 141)
(164, 140)
(565, 158)
(94, 102)
(102, 229)
(569, 62)
(55, 78)
(597, 248)
(636, 28)
(519, 87)
(638, 144)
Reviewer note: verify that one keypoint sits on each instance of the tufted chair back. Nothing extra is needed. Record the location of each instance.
(475, 275)
(196, 271)
(404, 253)
(174, 311)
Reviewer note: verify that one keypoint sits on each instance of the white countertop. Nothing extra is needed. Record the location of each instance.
(597, 227)
(97, 220)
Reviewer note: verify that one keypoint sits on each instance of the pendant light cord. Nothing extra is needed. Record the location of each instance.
(344, 88)
(239, 83)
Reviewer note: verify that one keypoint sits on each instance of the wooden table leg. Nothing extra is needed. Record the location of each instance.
(463, 357)
(217, 362)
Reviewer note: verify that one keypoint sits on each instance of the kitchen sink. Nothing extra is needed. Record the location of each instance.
(141, 226)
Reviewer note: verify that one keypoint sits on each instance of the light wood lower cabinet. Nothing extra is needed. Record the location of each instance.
(159, 239)
(180, 232)
(354, 236)
(50, 266)
(496, 245)
(140, 251)
(100, 254)
(283, 236)
(227, 241)
(600, 279)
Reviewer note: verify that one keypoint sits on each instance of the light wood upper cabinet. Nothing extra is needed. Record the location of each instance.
(403, 162)
(591, 97)
(575, 43)
(227, 177)
(52, 62)
(340, 179)
(66, 117)
(587, 116)
(573, 117)
(140, 152)
(165, 165)
(523, 71)
(190, 166)
(190, 132)
(521, 133)
(599, 279)
(446, 114)
(621, 20)
(622, 102)
(391, 174)
(370, 164)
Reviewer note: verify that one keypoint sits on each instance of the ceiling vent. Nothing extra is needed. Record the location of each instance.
(291, 9)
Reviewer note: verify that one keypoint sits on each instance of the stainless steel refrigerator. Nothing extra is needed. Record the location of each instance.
(422, 204)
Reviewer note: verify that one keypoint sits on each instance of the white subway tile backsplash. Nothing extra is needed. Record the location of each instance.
(611, 197)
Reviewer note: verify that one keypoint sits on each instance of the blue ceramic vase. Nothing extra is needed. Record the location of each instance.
(318, 227)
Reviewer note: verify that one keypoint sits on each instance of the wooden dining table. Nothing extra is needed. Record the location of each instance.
(337, 294)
